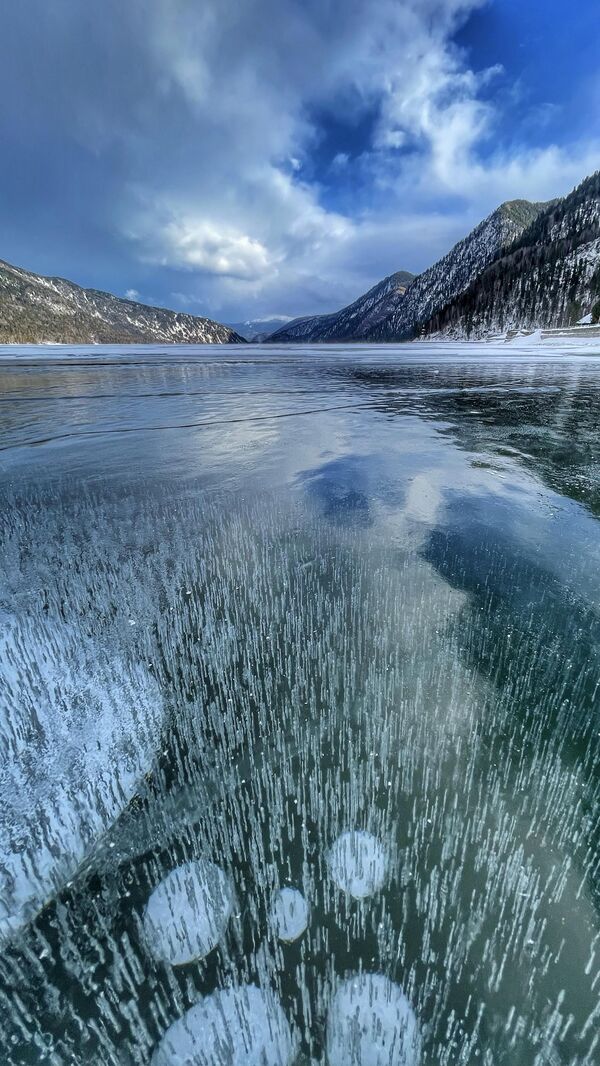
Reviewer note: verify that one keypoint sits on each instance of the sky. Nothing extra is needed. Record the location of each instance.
(254, 159)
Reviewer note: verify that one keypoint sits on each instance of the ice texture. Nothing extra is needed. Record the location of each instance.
(78, 728)
(421, 689)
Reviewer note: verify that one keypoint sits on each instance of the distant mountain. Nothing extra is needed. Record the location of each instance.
(36, 309)
(350, 321)
(549, 277)
(259, 328)
(394, 311)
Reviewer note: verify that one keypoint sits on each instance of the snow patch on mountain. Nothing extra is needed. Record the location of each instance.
(37, 309)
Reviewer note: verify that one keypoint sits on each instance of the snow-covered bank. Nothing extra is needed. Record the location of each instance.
(572, 340)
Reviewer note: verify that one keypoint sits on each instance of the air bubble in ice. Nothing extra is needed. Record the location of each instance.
(242, 1026)
(371, 1023)
(289, 914)
(357, 863)
(77, 732)
(188, 912)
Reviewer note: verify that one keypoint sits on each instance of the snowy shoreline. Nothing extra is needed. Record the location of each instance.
(582, 340)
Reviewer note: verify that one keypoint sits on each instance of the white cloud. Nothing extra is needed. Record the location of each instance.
(207, 127)
(132, 294)
(200, 245)
(269, 238)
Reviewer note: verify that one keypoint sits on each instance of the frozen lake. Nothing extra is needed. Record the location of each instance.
(300, 706)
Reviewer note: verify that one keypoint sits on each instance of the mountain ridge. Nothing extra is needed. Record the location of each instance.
(453, 273)
(335, 325)
(399, 312)
(38, 308)
(548, 278)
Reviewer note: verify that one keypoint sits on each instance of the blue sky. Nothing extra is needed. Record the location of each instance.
(253, 158)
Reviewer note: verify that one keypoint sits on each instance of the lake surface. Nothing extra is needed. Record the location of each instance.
(300, 721)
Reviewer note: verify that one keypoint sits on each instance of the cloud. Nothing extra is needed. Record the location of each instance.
(200, 245)
(181, 150)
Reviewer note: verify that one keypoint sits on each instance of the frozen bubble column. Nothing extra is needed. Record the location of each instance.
(78, 729)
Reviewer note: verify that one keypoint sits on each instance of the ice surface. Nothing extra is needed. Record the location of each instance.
(289, 914)
(187, 913)
(426, 681)
(371, 1023)
(242, 1026)
(357, 863)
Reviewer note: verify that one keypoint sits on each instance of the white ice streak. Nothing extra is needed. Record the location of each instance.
(77, 732)
(371, 1023)
(289, 914)
(243, 1026)
(187, 913)
(357, 863)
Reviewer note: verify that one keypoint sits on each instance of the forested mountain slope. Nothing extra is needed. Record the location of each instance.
(549, 277)
(345, 324)
(396, 308)
(452, 274)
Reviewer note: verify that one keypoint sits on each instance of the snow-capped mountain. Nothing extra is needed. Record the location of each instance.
(347, 323)
(397, 310)
(37, 309)
(256, 329)
(549, 277)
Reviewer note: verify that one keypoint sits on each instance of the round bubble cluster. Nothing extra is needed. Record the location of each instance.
(187, 913)
(371, 1023)
(289, 914)
(243, 1026)
(357, 863)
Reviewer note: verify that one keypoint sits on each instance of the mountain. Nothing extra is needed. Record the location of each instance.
(36, 309)
(392, 312)
(451, 275)
(345, 324)
(549, 277)
(257, 329)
